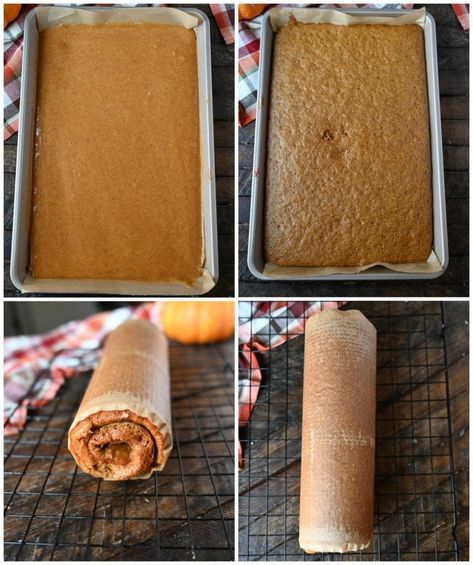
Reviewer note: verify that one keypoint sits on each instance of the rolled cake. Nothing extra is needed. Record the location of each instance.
(122, 429)
(338, 433)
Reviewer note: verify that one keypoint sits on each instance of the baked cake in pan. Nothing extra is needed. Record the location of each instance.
(348, 171)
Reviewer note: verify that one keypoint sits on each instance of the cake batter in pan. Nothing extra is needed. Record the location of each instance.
(23, 187)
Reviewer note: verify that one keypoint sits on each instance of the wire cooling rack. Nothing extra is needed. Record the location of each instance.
(56, 512)
(415, 506)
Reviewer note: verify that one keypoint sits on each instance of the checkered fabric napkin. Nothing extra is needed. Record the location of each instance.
(263, 326)
(224, 15)
(12, 52)
(463, 15)
(249, 33)
(35, 367)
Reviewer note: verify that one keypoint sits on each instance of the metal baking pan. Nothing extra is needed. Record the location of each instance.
(256, 259)
(23, 181)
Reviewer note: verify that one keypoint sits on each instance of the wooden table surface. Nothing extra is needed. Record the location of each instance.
(413, 495)
(453, 61)
(55, 512)
(223, 108)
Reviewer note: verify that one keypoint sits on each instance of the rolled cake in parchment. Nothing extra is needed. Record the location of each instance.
(122, 429)
(338, 433)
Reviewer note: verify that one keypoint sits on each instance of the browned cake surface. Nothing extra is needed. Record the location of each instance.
(117, 185)
(348, 174)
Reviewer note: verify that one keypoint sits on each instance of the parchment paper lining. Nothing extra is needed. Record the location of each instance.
(53, 16)
(203, 284)
(431, 266)
(280, 17)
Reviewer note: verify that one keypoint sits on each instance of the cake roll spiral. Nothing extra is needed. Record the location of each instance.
(122, 428)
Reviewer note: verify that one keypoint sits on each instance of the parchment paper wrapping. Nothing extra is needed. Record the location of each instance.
(52, 16)
(338, 433)
(122, 429)
(280, 17)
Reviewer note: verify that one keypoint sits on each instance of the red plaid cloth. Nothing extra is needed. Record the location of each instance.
(12, 53)
(13, 49)
(263, 326)
(35, 367)
(224, 15)
(463, 15)
(249, 33)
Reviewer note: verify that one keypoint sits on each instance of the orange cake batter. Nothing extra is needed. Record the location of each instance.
(117, 173)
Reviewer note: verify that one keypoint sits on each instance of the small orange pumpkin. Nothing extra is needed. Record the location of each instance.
(197, 322)
(250, 11)
(10, 13)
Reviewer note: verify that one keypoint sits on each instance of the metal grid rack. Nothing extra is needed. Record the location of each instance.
(53, 511)
(415, 505)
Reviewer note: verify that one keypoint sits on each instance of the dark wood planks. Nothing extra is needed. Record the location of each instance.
(453, 59)
(457, 338)
(185, 512)
(223, 106)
